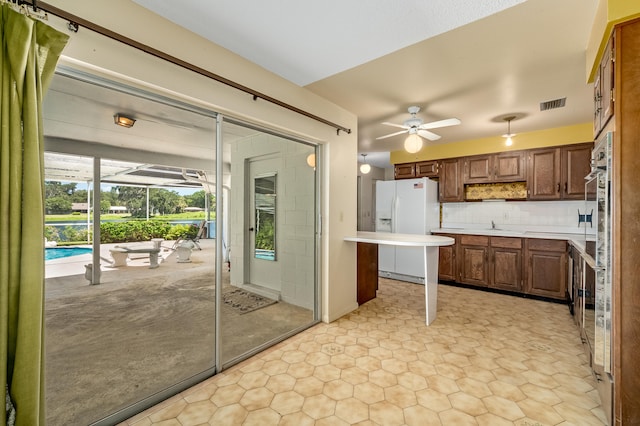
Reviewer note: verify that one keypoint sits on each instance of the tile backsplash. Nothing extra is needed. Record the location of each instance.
(543, 216)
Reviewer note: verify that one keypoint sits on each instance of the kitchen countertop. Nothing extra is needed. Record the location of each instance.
(387, 238)
(514, 233)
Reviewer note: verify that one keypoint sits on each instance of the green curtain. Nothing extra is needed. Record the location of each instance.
(30, 51)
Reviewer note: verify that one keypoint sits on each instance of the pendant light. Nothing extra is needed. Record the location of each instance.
(364, 167)
(509, 135)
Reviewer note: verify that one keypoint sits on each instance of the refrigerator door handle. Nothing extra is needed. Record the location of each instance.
(394, 214)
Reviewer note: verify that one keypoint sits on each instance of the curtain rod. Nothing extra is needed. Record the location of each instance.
(78, 21)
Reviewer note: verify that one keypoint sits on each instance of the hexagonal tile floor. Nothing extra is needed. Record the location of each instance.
(488, 359)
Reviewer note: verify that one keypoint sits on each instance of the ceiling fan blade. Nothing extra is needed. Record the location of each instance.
(441, 123)
(401, 126)
(428, 135)
(392, 134)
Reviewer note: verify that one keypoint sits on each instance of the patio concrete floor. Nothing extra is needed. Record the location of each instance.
(141, 330)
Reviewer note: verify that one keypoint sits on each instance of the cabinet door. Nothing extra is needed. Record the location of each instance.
(543, 182)
(597, 101)
(474, 259)
(478, 169)
(576, 164)
(367, 275)
(447, 266)
(450, 176)
(547, 268)
(510, 167)
(607, 83)
(506, 263)
(427, 169)
(405, 171)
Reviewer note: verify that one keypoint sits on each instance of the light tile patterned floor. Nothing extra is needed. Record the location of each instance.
(488, 359)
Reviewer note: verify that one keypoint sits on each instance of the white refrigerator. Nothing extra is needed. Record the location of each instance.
(408, 206)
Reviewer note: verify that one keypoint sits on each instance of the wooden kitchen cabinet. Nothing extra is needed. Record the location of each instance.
(543, 182)
(447, 264)
(546, 268)
(473, 263)
(478, 169)
(505, 268)
(603, 87)
(501, 167)
(576, 164)
(510, 167)
(427, 169)
(558, 173)
(450, 188)
(405, 171)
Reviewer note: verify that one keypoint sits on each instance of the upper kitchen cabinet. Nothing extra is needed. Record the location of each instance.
(502, 167)
(576, 164)
(450, 188)
(544, 174)
(428, 169)
(405, 171)
(558, 173)
(603, 86)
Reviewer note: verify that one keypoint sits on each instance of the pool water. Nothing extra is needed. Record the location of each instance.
(51, 253)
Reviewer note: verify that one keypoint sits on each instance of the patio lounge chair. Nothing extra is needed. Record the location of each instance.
(201, 231)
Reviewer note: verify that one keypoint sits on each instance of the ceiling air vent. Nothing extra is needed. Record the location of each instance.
(556, 103)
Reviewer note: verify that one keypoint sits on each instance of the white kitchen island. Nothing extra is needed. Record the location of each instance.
(429, 243)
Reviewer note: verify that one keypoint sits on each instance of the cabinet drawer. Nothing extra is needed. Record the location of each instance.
(547, 245)
(474, 240)
(506, 242)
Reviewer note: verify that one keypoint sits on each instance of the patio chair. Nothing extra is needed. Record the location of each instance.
(201, 231)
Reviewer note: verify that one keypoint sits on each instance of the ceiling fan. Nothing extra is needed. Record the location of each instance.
(415, 125)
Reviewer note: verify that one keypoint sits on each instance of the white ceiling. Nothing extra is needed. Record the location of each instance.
(475, 60)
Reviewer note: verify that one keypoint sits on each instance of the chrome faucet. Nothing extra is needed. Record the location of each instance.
(493, 225)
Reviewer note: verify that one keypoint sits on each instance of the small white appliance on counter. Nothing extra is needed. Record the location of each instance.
(408, 206)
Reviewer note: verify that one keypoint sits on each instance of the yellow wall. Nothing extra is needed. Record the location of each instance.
(609, 13)
(538, 139)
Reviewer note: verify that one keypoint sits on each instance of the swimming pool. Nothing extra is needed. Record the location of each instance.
(51, 253)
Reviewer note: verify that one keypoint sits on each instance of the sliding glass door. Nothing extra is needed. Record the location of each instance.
(184, 245)
(270, 290)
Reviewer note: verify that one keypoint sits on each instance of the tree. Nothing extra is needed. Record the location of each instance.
(134, 198)
(105, 205)
(197, 199)
(57, 205)
(79, 196)
(57, 189)
(163, 200)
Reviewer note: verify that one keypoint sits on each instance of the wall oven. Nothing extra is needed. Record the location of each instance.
(598, 200)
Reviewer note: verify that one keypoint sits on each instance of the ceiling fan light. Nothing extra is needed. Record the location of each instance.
(413, 143)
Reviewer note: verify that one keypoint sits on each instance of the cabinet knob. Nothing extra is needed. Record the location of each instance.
(558, 189)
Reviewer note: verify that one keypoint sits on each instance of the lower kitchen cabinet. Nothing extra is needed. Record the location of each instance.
(506, 263)
(474, 259)
(447, 265)
(546, 268)
(537, 267)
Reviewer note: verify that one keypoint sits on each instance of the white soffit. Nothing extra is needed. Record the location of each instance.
(304, 42)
